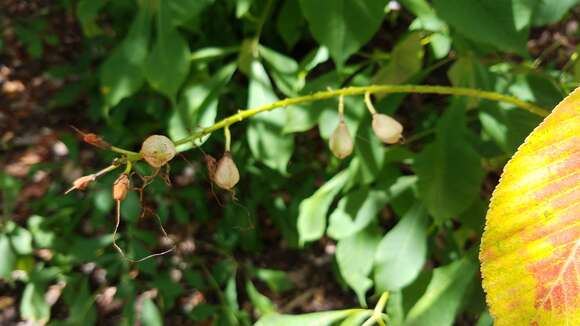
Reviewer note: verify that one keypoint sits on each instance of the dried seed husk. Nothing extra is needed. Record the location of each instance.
(158, 150)
(226, 174)
(121, 187)
(387, 129)
(340, 141)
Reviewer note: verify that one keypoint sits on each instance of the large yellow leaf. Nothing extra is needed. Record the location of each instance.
(530, 251)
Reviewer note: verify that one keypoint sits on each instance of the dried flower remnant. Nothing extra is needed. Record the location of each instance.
(387, 129)
(340, 142)
(93, 139)
(82, 183)
(226, 174)
(158, 150)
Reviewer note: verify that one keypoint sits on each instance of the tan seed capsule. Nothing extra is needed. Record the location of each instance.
(121, 187)
(226, 174)
(340, 141)
(387, 129)
(158, 150)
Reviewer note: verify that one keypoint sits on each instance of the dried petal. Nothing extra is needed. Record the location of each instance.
(226, 174)
(93, 139)
(387, 129)
(340, 142)
(158, 150)
(82, 183)
(121, 187)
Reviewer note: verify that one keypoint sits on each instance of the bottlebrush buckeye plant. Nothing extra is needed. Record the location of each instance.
(158, 150)
(530, 251)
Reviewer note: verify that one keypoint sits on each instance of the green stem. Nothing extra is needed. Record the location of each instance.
(380, 307)
(131, 156)
(369, 104)
(341, 107)
(373, 89)
(377, 315)
(228, 137)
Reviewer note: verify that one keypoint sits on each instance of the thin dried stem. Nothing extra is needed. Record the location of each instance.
(122, 253)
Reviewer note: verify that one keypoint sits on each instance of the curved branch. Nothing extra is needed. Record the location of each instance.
(351, 91)
(373, 89)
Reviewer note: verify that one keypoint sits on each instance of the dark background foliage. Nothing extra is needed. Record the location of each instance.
(305, 232)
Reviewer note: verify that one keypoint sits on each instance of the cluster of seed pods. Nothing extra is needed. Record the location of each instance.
(387, 130)
(158, 151)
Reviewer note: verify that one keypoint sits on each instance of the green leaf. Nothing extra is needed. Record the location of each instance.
(167, 65)
(42, 235)
(314, 58)
(508, 127)
(449, 169)
(549, 12)
(121, 75)
(31, 35)
(485, 319)
(355, 256)
(533, 87)
(21, 241)
(395, 309)
(355, 211)
(242, 7)
(87, 11)
(443, 297)
(150, 315)
(231, 293)
(502, 24)
(208, 54)
(425, 13)
(402, 252)
(343, 26)
(290, 22)
(277, 281)
(33, 307)
(7, 257)
(312, 216)
(260, 302)
(80, 302)
(284, 70)
(265, 137)
(182, 11)
(359, 208)
(9, 187)
(406, 61)
(326, 318)
(198, 106)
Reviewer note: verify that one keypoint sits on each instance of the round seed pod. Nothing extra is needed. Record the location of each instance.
(120, 187)
(387, 129)
(226, 174)
(158, 150)
(340, 142)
